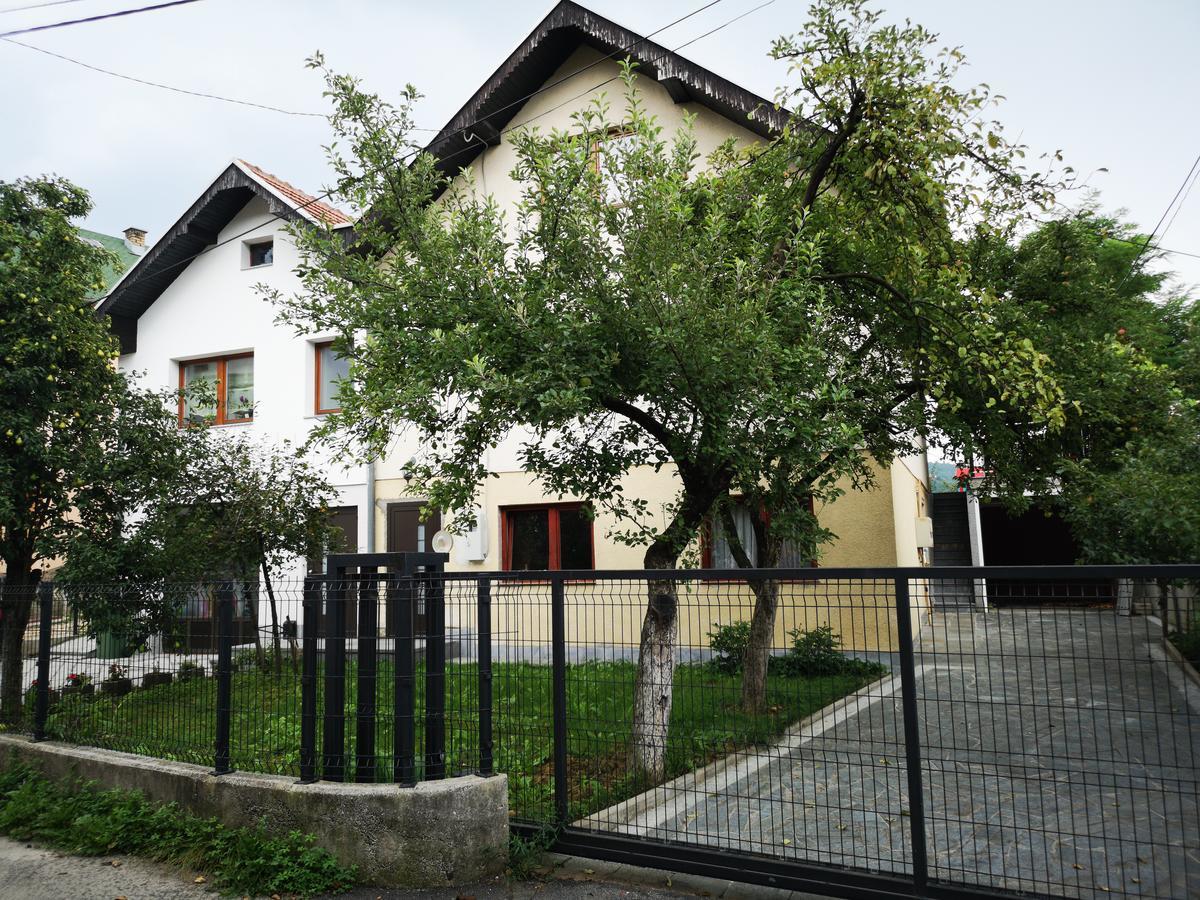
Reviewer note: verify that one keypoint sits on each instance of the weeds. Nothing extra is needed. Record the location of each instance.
(82, 819)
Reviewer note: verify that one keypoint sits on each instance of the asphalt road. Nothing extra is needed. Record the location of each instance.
(33, 873)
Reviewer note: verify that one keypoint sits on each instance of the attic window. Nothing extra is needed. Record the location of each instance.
(261, 253)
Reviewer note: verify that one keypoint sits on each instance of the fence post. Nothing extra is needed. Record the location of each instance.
(912, 736)
(224, 676)
(41, 708)
(400, 595)
(333, 764)
(435, 675)
(308, 681)
(558, 654)
(485, 675)
(368, 639)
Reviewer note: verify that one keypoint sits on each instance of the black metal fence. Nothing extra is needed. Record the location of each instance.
(928, 732)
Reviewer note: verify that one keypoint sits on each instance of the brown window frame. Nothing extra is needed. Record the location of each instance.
(554, 536)
(706, 533)
(220, 361)
(317, 410)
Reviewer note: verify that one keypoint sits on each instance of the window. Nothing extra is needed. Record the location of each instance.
(610, 163)
(540, 538)
(217, 391)
(262, 253)
(718, 555)
(331, 368)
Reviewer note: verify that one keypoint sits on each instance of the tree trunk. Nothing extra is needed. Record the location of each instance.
(766, 603)
(276, 649)
(758, 649)
(20, 588)
(653, 690)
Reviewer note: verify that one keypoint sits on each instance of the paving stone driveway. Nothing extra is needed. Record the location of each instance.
(1060, 750)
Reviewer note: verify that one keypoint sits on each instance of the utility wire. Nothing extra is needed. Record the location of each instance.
(36, 6)
(623, 50)
(165, 87)
(99, 18)
(1162, 218)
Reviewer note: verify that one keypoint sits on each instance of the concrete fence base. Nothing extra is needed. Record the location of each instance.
(437, 833)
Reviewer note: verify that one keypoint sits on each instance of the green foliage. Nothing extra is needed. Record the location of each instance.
(813, 654)
(758, 317)
(1143, 504)
(81, 448)
(729, 643)
(84, 820)
(525, 854)
(1188, 642)
(176, 721)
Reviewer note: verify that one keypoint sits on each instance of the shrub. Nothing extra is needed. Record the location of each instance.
(1188, 642)
(816, 652)
(729, 643)
(246, 660)
(189, 669)
(82, 819)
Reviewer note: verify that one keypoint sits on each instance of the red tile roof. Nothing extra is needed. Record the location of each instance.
(305, 203)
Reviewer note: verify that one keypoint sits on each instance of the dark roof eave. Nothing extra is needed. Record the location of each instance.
(567, 27)
(195, 231)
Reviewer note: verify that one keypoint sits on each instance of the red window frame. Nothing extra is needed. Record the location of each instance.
(507, 526)
(706, 539)
(317, 348)
(220, 361)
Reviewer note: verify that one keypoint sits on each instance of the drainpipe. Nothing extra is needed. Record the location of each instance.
(975, 535)
(370, 506)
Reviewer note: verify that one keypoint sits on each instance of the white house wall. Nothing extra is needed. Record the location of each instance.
(213, 309)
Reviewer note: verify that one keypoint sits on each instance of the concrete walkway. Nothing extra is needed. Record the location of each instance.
(1060, 751)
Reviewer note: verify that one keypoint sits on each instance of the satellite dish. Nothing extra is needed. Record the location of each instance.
(442, 542)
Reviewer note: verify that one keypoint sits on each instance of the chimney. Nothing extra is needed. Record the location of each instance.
(136, 236)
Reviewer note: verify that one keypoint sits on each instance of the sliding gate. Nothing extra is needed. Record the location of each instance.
(922, 732)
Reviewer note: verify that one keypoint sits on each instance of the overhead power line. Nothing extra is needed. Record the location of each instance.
(36, 6)
(622, 50)
(165, 87)
(1150, 240)
(99, 18)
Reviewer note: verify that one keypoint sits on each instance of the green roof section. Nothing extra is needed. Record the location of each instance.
(112, 274)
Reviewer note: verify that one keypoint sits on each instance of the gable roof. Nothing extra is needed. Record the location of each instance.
(567, 27)
(196, 230)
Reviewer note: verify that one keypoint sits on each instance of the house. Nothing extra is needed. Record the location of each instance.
(183, 315)
(181, 318)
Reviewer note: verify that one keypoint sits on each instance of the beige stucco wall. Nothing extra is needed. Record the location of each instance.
(575, 90)
(870, 532)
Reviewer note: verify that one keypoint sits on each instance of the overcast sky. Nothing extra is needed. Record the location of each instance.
(1113, 84)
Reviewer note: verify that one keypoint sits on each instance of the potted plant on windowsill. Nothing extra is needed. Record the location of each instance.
(78, 684)
(156, 677)
(117, 684)
(190, 670)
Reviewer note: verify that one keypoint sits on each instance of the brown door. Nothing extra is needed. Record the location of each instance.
(345, 520)
(406, 533)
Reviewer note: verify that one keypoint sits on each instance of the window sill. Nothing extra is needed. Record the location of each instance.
(222, 425)
(259, 266)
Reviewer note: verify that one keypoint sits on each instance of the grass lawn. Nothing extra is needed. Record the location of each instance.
(177, 721)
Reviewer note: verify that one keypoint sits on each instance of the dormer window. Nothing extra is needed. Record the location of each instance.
(261, 253)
